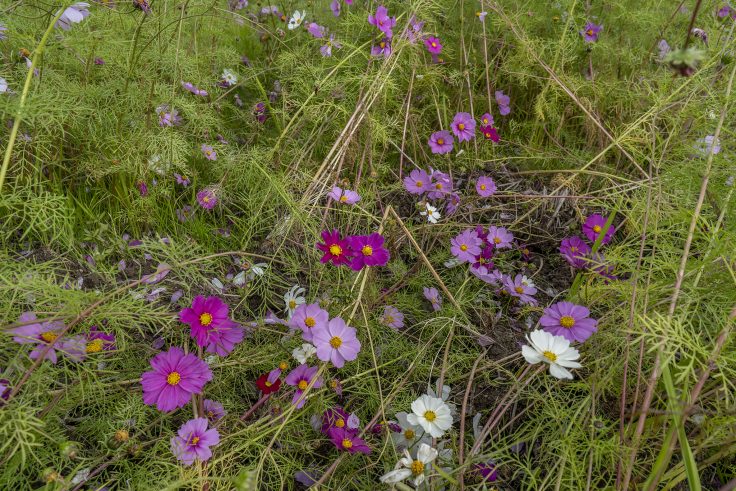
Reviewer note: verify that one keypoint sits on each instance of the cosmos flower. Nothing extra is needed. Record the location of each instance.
(98, 341)
(571, 321)
(481, 16)
(574, 250)
(368, 250)
(316, 30)
(705, 145)
(307, 318)
(213, 410)
(441, 142)
(430, 212)
(520, 287)
(3, 86)
(553, 350)
(499, 237)
(417, 182)
(336, 343)
(484, 258)
(593, 227)
(441, 185)
(207, 198)
(326, 49)
(336, 249)
(211, 326)
(392, 317)
(228, 78)
(466, 246)
(382, 21)
(3, 29)
(40, 334)
(434, 298)
(590, 32)
(432, 414)
(293, 298)
(194, 441)
(490, 133)
(300, 378)
(304, 352)
(414, 32)
(259, 111)
(168, 116)
(337, 417)
(184, 213)
(383, 48)
(486, 471)
(409, 434)
(142, 5)
(182, 179)
(348, 441)
(173, 380)
(486, 120)
(433, 45)
(209, 152)
(296, 19)
(266, 386)
(344, 196)
(190, 87)
(73, 14)
(414, 468)
(335, 7)
(463, 125)
(503, 102)
(485, 186)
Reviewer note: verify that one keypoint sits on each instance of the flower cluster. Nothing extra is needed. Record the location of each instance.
(210, 325)
(356, 251)
(578, 253)
(343, 429)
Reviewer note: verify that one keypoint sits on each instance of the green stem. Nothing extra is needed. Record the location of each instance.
(596, 245)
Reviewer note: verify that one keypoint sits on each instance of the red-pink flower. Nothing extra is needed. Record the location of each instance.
(336, 250)
(211, 326)
(368, 250)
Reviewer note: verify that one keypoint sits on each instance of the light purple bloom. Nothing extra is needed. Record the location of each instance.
(571, 321)
(434, 297)
(326, 48)
(499, 237)
(392, 317)
(383, 48)
(503, 102)
(194, 441)
(168, 116)
(344, 196)
(174, 378)
(209, 152)
(184, 213)
(3, 29)
(486, 120)
(590, 32)
(485, 186)
(41, 334)
(382, 21)
(213, 410)
(417, 182)
(593, 227)
(190, 87)
(441, 142)
(182, 179)
(73, 15)
(463, 125)
(704, 146)
(486, 274)
(335, 7)
(574, 250)
(520, 287)
(414, 31)
(207, 198)
(316, 30)
(466, 246)
(336, 343)
(300, 378)
(307, 318)
(441, 185)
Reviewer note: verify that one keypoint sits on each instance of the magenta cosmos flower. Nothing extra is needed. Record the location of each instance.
(490, 133)
(593, 227)
(337, 417)
(486, 120)
(368, 250)
(575, 251)
(433, 45)
(417, 182)
(485, 186)
(571, 321)
(173, 380)
(520, 287)
(207, 198)
(590, 32)
(392, 317)
(211, 326)
(463, 125)
(441, 142)
(348, 441)
(308, 318)
(499, 237)
(336, 343)
(503, 102)
(466, 246)
(41, 334)
(383, 48)
(300, 378)
(414, 31)
(194, 441)
(344, 196)
(382, 21)
(336, 250)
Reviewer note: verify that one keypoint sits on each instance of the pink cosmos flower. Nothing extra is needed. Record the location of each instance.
(499, 237)
(40, 334)
(209, 152)
(487, 274)
(207, 198)
(345, 440)
(326, 49)
(316, 30)
(335, 7)
(490, 133)
(300, 378)
(463, 125)
(433, 45)
(414, 31)
(308, 318)
(382, 21)
(98, 341)
(441, 185)
(503, 102)
(466, 246)
(434, 298)
(417, 182)
(485, 257)
(336, 343)
(571, 321)
(173, 380)
(168, 116)
(574, 250)
(383, 48)
(337, 417)
(593, 227)
(590, 32)
(520, 287)
(485, 186)
(368, 250)
(336, 250)
(344, 196)
(441, 142)
(392, 317)
(213, 410)
(453, 201)
(486, 120)
(194, 441)
(182, 179)
(211, 325)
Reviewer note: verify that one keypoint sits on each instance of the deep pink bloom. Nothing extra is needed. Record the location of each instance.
(486, 120)
(41, 334)
(209, 152)
(484, 258)
(194, 441)
(590, 32)
(344, 196)
(486, 471)
(485, 186)
(490, 133)
(441, 185)
(434, 297)
(441, 142)
(503, 102)
(174, 378)
(417, 182)
(368, 250)
(308, 318)
(574, 250)
(382, 21)
(344, 439)
(569, 320)
(336, 343)
(337, 417)
(499, 237)
(336, 250)
(211, 325)
(392, 317)
(433, 45)
(466, 246)
(463, 125)
(300, 378)
(213, 410)
(520, 287)
(594, 226)
(207, 198)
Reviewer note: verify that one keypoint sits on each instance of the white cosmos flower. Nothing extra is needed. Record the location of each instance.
(432, 414)
(294, 298)
(296, 19)
(431, 213)
(303, 353)
(410, 434)
(551, 349)
(527, 282)
(229, 77)
(409, 467)
(3, 85)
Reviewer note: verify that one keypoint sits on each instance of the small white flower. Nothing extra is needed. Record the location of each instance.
(229, 78)
(294, 298)
(239, 279)
(527, 282)
(432, 414)
(296, 19)
(303, 353)
(3, 85)
(410, 434)
(409, 467)
(431, 213)
(551, 349)
(258, 269)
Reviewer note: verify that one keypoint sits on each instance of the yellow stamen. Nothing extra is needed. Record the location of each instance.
(347, 443)
(567, 321)
(482, 187)
(461, 126)
(283, 365)
(417, 467)
(292, 304)
(343, 198)
(302, 385)
(205, 318)
(95, 346)
(597, 229)
(309, 322)
(519, 290)
(173, 378)
(550, 356)
(440, 141)
(335, 342)
(367, 250)
(463, 247)
(268, 384)
(49, 336)
(497, 240)
(195, 440)
(409, 434)
(419, 184)
(340, 423)
(335, 250)
(430, 416)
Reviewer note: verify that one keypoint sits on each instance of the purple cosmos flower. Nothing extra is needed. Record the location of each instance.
(4, 389)
(190, 87)
(486, 471)
(336, 343)
(417, 182)
(336, 250)
(593, 227)
(259, 111)
(392, 317)
(485, 186)
(344, 196)
(194, 441)
(499, 237)
(463, 125)
(184, 213)
(466, 246)
(574, 250)
(182, 179)
(382, 21)
(3, 37)
(173, 380)
(568, 320)
(520, 287)
(486, 120)
(326, 48)
(73, 15)
(207, 198)
(168, 116)
(41, 334)
(307, 318)
(433, 45)
(346, 440)
(142, 188)
(441, 185)
(503, 102)
(441, 142)
(484, 258)
(487, 274)
(209, 152)
(383, 48)
(414, 32)
(211, 326)
(368, 250)
(335, 417)
(481, 16)
(335, 7)
(490, 133)
(98, 341)
(590, 32)
(316, 30)
(213, 410)
(434, 297)
(300, 378)
(453, 202)
(705, 145)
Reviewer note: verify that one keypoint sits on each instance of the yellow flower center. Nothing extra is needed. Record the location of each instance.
(409, 434)
(482, 187)
(292, 304)
(95, 346)
(340, 423)
(417, 467)
(335, 342)
(461, 126)
(389, 319)
(419, 184)
(519, 290)
(195, 440)
(283, 365)
(573, 249)
(440, 141)
(343, 198)
(184, 178)
(477, 14)
(122, 435)
(268, 384)
(173, 378)
(347, 443)
(485, 120)
(597, 229)
(438, 185)
(589, 32)
(367, 250)
(205, 319)
(335, 250)
(463, 247)
(382, 44)
(434, 45)
(206, 199)
(567, 321)
(309, 322)
(430, 416)
(49, 336)
(302, 385)
(497, 240)
(550, 356)
(333, 384)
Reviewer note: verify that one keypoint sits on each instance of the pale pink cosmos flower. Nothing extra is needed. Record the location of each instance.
(344, 196)
(434, 297)
(336, 343)
(499, 237)
(485, 186)
(466, 246)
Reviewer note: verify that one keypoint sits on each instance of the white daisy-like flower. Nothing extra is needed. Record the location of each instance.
(410, 434)
(527, 282)
(444, 394)
(553, 350)
(296, 19)
(294, 298)
(229, 78)
(432, 414)
(303, 353)
(408, 467)
(3, 85)
(431, 213)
